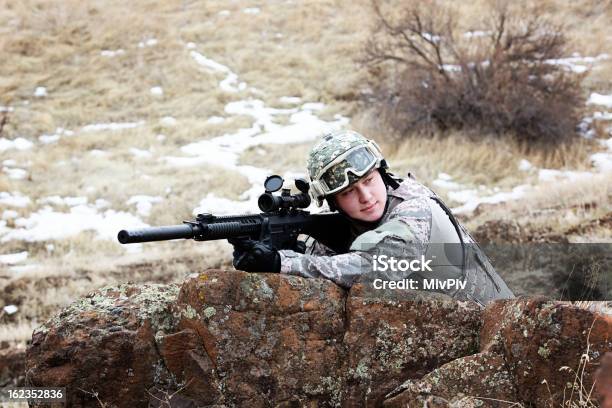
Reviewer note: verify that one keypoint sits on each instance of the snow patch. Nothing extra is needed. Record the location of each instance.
(144, 203)
(151, 42)
(445, 181)
(140, 154)
(12, 259)
(431, 37)
(471, 199)
(291, 100)
(524, 165)
(98, 153)
(47, 224)
(547, 175)
(476, 34)
(101, 203)
(9, 214)
(20, 144)
(59, 132)
(168, 121)
(48, 139)
(10, 309)
(40, 92)
(98, 127)
(15, 174)
(600, 99)
(602, 161)
(576, 63)
(112, 53)
(230, 83)
(215, 120)
(59, 201)
(14, 200)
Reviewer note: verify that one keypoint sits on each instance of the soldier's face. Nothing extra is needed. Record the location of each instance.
(365, 200)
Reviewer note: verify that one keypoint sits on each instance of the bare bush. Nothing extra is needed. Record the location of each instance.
(427, 76)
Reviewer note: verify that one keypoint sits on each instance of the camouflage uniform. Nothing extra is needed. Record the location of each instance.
(413, 216)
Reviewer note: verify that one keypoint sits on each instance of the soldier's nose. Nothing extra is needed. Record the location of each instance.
(364, 195)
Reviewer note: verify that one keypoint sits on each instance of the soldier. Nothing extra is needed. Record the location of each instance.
(387, 216)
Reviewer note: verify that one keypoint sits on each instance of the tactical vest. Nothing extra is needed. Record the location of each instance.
(454, 256)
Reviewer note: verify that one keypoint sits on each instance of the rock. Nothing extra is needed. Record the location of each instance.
(530, 349)
(604, 381)
(104, 346)
(391, 339)
(266, 338)
(230, 338)
(544, 344)
(478, 380)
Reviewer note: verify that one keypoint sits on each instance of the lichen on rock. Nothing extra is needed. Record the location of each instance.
(229, 338)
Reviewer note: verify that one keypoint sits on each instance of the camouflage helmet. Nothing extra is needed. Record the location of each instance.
(340, 159)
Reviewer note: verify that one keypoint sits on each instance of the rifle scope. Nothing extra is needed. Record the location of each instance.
(268, 202)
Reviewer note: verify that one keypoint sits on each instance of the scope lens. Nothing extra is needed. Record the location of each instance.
(266, 202)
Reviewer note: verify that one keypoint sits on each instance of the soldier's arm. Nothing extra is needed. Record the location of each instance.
(343, 269)
(314, 247)
(403, 236)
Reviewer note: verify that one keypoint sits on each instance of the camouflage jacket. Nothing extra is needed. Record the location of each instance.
(405, 231)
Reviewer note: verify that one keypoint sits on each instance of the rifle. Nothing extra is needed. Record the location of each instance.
(281, 222)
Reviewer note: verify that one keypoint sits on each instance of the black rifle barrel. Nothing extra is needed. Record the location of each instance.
(157, 233)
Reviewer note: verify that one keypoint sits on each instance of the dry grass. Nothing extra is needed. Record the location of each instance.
(278, 158)
(493, 162)
(17, 332)
(558, 208)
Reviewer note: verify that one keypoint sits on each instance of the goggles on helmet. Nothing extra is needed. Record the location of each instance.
(334, 177)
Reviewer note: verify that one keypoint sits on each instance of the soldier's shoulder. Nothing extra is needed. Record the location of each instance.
(414, 208)
(410, 188)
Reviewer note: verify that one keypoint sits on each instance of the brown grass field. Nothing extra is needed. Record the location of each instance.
(287, 48)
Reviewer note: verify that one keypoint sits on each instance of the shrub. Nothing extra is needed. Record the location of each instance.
(426, 76)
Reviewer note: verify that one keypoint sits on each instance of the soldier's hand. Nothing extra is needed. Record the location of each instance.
(254, 256)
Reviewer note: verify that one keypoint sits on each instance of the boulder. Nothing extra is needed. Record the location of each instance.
(104, 346)
(230, 338)
(532, 350)
(548, 346)
(393, 338)
(266, 338)
(478, 380)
